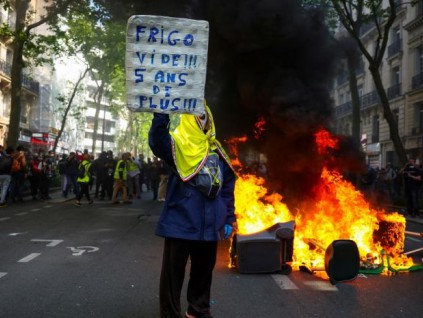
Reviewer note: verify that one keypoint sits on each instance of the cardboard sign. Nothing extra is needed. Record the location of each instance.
(166, 60)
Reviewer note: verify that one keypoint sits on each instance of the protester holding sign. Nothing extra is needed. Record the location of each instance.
(198, 210)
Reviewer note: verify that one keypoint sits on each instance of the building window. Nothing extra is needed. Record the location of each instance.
(419, 8)
(395, 89)
(395, 112)
(375, 129)
(417, 128)
(417, 79)
(396, 43)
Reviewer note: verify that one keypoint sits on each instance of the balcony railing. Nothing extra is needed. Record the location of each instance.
(33, 86)
(417, 81)
(369, 100)
(366, 28)
(342, 79)
(394, 91)
(343, 109)
(395, 48)
(360, 68)
(366, 101)
(6, 69)
(415, 131)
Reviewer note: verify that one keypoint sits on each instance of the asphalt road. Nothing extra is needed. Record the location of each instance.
(103, 260)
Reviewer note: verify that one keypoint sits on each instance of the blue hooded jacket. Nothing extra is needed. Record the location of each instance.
(187, 213)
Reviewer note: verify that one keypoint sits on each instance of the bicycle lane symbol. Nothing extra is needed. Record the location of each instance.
(79, 250)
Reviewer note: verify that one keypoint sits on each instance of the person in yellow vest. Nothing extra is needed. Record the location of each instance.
(84, 180)
(120, 179)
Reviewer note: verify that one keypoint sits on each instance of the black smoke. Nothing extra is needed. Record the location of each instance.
(271, 60)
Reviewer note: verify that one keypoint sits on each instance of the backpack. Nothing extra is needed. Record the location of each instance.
(5, 164)
(62, 167)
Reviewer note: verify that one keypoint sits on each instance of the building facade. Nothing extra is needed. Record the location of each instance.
(30, 87)
(402, 76)
(42, 112)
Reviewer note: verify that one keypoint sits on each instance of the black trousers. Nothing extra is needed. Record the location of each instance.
(175, 258)
(84, 190)
(412, 200)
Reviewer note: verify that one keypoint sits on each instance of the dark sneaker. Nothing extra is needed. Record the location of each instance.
(115, 202)
(127, 202)
(3, 204)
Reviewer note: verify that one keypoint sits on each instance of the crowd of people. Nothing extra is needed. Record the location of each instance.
(394, 186)
(79, 175)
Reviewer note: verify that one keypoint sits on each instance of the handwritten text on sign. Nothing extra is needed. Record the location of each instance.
(166, 61)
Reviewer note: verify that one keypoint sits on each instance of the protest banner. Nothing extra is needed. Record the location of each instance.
(166, 64)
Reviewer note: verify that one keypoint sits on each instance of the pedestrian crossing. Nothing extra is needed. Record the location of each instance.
(286, 283)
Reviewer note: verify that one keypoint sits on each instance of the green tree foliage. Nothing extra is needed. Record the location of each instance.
(31, 48)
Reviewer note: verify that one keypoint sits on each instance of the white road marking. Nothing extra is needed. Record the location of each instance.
(29, 258)
(15, 234)
(2, 274)
(284, 282)
(78, 251)
(51, 244)
(413, 239)
(22, 213)
(47, 206)
(35, 210)
(5, 218)
(326, 286)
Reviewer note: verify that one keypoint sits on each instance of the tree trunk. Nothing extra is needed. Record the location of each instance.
(16, 76)
(16, 97)
(99, 96)
(389, 117)
(65, 115)
(355, 100)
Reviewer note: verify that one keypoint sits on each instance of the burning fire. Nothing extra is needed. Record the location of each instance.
(339, 211)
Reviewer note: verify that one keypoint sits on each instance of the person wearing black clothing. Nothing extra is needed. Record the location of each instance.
(109, 168)
(100, 170)
(46, 174)
(412, 175)
(71, 170)
(147, 173)
(154, 172)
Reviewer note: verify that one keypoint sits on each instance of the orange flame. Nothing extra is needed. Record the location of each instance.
(339, 211)
(259, 128)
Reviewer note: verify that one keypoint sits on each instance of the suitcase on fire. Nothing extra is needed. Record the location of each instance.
(342, 261)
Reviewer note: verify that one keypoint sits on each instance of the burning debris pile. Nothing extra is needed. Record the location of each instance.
(337, 211)
(271, 69)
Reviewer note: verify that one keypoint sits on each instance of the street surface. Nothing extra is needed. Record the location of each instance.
(103, 260)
